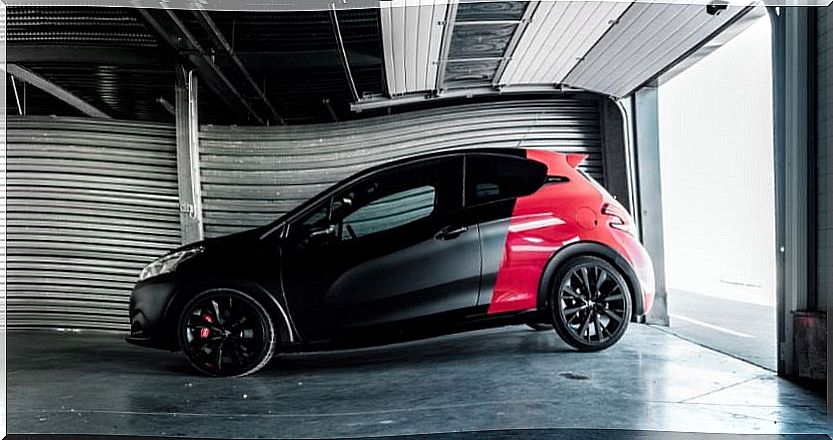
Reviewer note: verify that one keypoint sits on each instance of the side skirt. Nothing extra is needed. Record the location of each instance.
(472, 319)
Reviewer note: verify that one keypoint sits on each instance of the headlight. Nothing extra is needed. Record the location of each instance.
(168, 263)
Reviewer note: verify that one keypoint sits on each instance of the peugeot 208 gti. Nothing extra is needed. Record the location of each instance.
(428, 245)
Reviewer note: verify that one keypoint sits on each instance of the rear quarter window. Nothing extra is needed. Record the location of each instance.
(491, 178)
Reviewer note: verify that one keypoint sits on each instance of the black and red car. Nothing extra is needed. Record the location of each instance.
(432, 244)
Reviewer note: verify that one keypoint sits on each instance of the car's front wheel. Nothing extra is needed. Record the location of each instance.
(590, 303)
(226, 332)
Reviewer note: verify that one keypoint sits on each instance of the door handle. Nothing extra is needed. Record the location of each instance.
(450, 232)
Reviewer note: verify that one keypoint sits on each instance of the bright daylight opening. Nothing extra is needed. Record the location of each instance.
(718, 201)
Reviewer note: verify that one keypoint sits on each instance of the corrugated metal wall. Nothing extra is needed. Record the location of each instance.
(90, 202)
(825, 157)
(252, 175)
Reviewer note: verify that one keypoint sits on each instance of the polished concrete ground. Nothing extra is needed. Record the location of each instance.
(507, 378)
(742, 329)
(508, 434)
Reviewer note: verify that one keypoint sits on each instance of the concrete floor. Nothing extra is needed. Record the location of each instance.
(742, 329)
(505, 378)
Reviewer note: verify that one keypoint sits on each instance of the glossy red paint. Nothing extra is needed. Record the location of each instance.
(553, 217)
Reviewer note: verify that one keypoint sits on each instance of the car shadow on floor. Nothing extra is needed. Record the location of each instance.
(472, 346)
(477, 346)
(111, 354)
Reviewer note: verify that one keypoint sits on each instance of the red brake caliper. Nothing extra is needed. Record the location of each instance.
(205, 331)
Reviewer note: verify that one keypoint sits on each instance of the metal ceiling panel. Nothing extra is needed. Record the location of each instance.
(411, 40)
(486, 40)
(490, 11)
(647, 39)
(558, 36)
(483, 36)
(470, 73)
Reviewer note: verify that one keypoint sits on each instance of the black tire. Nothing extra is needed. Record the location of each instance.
(539, 326)
(590, 303)
(219, 348)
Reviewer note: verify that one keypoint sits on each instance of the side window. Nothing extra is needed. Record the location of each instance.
(496, 177)
(389, 211)
(387, 200)
(318, 217)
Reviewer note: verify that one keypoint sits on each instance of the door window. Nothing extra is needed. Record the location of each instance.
(492, 177)
(390, 211)
(388, 200)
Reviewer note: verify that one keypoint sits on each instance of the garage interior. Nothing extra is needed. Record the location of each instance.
(131, 131)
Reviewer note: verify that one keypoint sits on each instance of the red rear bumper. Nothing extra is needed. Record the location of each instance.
(636, 255)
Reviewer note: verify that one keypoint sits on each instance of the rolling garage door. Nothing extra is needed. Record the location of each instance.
(252, 175)
(90, 202)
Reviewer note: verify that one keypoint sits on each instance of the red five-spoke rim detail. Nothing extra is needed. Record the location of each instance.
(225, 334)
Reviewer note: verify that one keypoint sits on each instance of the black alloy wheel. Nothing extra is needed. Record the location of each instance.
(225, 332)
(590, 303)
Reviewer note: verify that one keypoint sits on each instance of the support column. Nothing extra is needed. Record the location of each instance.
(793, 94)
(188, 156)
(649, 193)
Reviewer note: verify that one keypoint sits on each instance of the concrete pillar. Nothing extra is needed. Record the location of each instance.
(792, 124)
(649, 192)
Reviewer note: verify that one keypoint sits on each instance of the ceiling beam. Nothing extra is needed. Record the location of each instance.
(467, 93)
(53, 89)
(220, 41)
(41, 53)
(531, 7)
(445, 47)
(344, 61)
(170, 29)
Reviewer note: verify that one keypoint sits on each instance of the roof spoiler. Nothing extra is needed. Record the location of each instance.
(574, 159)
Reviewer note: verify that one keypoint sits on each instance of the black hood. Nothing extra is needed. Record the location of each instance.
(239, 253)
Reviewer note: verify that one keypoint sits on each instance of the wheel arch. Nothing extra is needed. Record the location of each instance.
(596, 249)
(190, 288)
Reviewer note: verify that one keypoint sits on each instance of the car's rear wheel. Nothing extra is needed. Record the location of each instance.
(590, 304)
(226, 332)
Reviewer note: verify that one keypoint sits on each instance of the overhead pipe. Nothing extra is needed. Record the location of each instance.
(196, 45)
(198, 57)
(211, 28)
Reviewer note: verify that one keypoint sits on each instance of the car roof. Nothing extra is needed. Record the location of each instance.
(506, 151)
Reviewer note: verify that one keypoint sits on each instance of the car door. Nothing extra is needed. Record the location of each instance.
(494, 182)
(392, 247)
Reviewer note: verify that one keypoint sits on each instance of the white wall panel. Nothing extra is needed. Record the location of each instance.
(411, 38)
(647, 39)
(559, 35)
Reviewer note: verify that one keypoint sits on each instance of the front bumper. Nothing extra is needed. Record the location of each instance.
(149, 324)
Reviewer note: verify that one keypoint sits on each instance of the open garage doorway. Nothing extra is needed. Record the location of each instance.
(716, 153)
